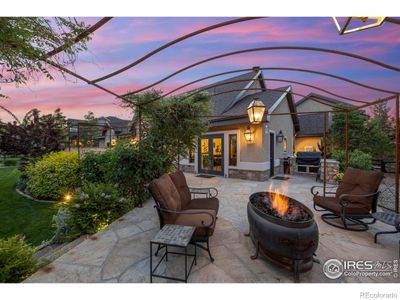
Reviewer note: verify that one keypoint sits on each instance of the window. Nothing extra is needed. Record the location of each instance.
(285, 144)
(233, 150)
(191, 154)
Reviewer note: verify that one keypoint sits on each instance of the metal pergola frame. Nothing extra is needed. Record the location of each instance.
(394, 95)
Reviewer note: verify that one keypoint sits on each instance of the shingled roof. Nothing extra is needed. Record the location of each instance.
(311, 125)
(222, 102)
(323, 98)
(235, 103)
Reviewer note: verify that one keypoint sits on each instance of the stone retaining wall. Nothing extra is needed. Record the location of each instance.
(332, 167)
(249, 174)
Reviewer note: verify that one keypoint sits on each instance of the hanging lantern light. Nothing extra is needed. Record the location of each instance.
(249, 135)
(255, 111)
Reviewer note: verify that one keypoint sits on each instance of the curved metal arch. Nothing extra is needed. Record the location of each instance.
(317, 88)
(282, 69)
(265, 79)
(276, 79)
(311, 112)
(262, 89)
(79, 37)
(194, 33)
(316, 49)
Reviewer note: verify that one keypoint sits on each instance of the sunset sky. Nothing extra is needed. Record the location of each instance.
(123, 40)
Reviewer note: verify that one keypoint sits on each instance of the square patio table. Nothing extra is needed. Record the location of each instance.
(176, 236)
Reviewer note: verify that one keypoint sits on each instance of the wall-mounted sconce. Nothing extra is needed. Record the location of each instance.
(279, 137)
(249, 135)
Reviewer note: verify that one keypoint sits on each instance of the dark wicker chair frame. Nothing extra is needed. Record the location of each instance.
(208, 192)
(352, 222)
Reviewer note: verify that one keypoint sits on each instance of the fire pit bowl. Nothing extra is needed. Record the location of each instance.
(283, 230)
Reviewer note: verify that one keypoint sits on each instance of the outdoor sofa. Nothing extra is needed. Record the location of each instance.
(176, 203)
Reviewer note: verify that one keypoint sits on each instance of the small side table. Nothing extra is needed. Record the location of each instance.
(177, 236)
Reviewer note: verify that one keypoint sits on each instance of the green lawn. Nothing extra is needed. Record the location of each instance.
(20, 215)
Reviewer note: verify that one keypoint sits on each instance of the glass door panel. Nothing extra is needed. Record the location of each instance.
(204, 154)
(211, 153)
(217, 154)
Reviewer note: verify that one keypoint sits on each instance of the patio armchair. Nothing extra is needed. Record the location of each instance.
(176, 203)
(355, 199)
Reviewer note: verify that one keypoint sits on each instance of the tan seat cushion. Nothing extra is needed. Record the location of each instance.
(204, 203)
(178, 178)
(358, 182)
(165, 193)
(333, 204)
(200, 221)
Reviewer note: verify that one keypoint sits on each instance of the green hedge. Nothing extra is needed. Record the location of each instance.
(16, 260)
(94, 166)
(54, 175)
(357, 159)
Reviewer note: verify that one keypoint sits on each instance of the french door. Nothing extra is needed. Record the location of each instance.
(211, 154)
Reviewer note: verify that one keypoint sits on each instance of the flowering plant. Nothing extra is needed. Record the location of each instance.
(338, 177)
(94, 206)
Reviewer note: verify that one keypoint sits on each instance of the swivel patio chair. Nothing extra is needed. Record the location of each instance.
(355, 199)
(389, 218)
(176, 204)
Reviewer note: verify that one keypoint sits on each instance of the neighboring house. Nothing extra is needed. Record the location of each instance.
(312, 125)
(107, 131)
(224, 150)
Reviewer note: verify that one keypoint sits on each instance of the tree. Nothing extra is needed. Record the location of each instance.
(25, 42)
(356, 121)
(91, 131)
(35, 136)
(379, 137)
(172, 123)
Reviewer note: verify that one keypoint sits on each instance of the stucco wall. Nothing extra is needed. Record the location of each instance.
(256, 151)
(310, 105)
(302, 142)
(284, 123)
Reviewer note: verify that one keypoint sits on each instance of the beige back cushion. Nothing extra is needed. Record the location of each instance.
(178, 178)
(166, 193)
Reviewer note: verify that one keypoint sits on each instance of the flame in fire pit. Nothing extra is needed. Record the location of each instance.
(279, 201)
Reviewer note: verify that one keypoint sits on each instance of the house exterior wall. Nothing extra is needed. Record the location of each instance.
(283, 123)
(309, 105)
(302, 143)
(253, 159)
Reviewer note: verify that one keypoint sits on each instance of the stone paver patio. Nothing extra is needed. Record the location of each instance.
(120, 253)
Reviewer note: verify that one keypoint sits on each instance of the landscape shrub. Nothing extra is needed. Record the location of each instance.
(94, 166)
(94, 206)
(10, 162)
(357, 159)
(16, 260)
(131, 167)
(54, 175)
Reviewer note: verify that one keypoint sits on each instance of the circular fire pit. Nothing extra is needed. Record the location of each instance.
(283, 230)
